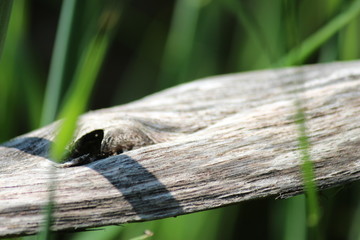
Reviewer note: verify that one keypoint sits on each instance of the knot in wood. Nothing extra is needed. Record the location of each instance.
(100, 143)
(119, 140)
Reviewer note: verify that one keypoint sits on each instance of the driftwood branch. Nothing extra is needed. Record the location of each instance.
(213, 142)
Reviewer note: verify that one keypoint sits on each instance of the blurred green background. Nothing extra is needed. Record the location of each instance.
(138, 47)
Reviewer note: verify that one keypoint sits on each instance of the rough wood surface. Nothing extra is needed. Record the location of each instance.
(215, 141)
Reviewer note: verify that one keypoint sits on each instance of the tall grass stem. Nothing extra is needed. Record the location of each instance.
(5, 11)
(58, 62)
(300, 53)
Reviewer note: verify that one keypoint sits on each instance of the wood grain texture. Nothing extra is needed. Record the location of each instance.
(217, 141)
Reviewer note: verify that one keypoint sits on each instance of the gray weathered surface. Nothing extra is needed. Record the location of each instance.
(219, 140)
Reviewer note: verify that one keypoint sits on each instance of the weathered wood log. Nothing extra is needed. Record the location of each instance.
(214, 142)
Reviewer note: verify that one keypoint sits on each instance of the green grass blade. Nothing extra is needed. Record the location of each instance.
(45, 231)
(295, 218)
(84, 80)
(251, 26)
(80, 92)
(190, 226)
(313, 217)
(206, 52)
(9, 68)
(349, 41)
(77, 99)
(180, 43)
(58, 62)
(354, 231)
(5, 11)
(300, 53)
(33, 91)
